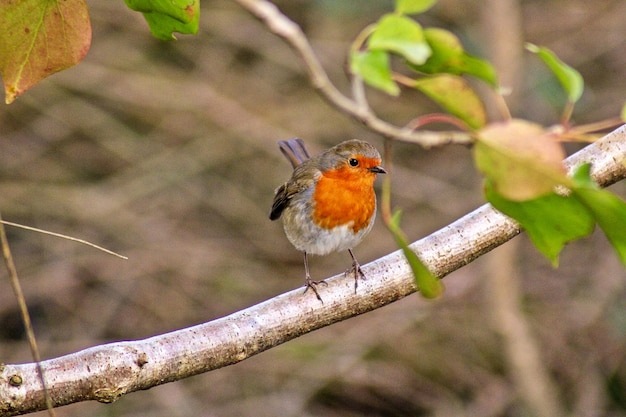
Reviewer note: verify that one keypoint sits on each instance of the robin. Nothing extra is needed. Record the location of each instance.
(329, 203)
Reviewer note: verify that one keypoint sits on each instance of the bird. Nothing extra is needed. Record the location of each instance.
(329, 203)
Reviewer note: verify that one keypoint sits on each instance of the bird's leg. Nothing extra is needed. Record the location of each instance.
(308, 282)
(356, 270)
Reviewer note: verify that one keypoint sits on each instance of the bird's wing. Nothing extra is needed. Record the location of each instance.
(281, 200)
(285, 193)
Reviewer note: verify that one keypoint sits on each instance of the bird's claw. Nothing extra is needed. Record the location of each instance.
(357, 272)
(309, 283)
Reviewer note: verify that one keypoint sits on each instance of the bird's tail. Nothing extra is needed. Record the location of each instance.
(294, 150)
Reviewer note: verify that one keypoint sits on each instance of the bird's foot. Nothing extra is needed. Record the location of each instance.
(309, 283)
(357, 272)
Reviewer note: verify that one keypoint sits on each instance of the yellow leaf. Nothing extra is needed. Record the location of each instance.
(521, 159)
(40, 38)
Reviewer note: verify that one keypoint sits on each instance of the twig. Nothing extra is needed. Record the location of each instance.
(287, 29)
(28, 325)
(46, 232)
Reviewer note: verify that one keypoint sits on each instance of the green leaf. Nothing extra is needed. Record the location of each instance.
(608, 210)
(428, 284)
(413, 6)
(551, 221)
(570, 79)
(455, 96)
(448, 56)
(582, 177)
(521, 159)
(623, 113)
(374, 68)
(40, 38)
(401, 35)
(168, 16)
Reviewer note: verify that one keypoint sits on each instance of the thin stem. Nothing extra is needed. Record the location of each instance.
(385, 204)
(502, 107)
(567, 114)
(73, 239)
(418, 122)
(596, 126)
(21, 301)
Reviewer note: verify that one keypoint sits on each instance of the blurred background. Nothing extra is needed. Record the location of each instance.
(166, 153)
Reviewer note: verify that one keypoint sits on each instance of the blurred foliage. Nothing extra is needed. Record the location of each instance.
(167, 153)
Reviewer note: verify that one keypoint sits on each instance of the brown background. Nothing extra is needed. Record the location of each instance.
(166, 152)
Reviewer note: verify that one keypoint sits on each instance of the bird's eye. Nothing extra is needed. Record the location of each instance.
(353, 162)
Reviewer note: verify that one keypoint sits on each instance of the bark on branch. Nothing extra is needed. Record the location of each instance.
(105, 373)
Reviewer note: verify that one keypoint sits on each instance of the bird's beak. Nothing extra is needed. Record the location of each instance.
(377, 170)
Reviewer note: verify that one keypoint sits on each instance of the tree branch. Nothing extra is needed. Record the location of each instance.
(287, 29)
(106, 372)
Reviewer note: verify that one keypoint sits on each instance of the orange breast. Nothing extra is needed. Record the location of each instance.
(343, 196)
